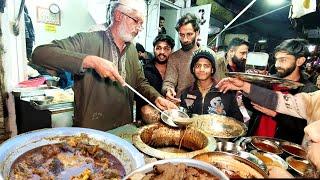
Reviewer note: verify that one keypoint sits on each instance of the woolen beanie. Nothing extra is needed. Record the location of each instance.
(203, 52)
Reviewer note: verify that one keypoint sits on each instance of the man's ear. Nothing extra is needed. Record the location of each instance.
(300, 61)
(117, 16)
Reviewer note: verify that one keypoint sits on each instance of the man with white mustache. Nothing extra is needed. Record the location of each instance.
(98, 59)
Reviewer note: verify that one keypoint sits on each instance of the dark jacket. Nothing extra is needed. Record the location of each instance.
(154, 77)
(288, 127)
(213, 103)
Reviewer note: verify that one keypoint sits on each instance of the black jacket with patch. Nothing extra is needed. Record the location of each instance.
(214, 102)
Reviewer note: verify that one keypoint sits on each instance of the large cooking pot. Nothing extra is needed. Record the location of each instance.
(11, 149)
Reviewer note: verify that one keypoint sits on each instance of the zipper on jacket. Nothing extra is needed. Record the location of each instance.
(202, 103)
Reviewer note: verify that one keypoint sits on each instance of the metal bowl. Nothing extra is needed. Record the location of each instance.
(13, 148)
(163, 142)
(294, 149)
(302, 167)
(189, 162)
(219, 126)
(232, 165)
(270, 159)
(169, 116)
(266, 145)
(228, 147)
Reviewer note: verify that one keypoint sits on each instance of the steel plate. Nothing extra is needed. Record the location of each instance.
(264, 80)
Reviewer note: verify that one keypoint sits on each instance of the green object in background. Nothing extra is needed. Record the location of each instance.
(125, 132)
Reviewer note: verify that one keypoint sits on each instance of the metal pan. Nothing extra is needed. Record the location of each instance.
(232, 165)
(13, 148)
(294, 149)
(302, 167)
(270, 159)
(266, 145)
(189, 162)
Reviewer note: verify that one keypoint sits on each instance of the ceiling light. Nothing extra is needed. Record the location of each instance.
(276, 2)
(311, 48)
(261, 41)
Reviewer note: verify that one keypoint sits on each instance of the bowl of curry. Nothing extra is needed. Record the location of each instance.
(68, 153)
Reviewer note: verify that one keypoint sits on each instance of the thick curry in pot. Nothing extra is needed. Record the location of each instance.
(67, 160)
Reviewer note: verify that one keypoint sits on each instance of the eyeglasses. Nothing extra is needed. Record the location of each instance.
(138, 22)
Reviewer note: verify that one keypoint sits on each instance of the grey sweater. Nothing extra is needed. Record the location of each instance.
(178, 75)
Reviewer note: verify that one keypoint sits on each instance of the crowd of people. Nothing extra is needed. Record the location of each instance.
(103, 62)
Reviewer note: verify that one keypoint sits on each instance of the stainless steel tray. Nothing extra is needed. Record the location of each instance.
(52, 106)
(264, 80)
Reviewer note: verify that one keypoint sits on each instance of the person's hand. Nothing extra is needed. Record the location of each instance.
(278, 172)
(227, 84)
(264, 110)
(171, 95)
(312, 133)
(103, 67)
(164, 104)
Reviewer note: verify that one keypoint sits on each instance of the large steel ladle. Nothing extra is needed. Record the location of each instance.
(171, 120)
(144, 98)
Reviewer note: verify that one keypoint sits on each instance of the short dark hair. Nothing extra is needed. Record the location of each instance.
(296, 47)
(165, 38)
(186, 19)
(140, 48)
(235, 42)
(162, 18)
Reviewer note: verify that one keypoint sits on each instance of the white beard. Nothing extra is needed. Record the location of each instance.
(127, 37)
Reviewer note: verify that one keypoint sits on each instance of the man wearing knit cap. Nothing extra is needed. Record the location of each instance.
(102, 63)
(202, 97)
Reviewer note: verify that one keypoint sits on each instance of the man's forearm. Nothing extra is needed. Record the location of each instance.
(262, 96)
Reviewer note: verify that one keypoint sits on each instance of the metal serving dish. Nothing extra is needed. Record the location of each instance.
(232, 165)
(302, 167)
(228, 147)
(219, 126)
(266, 145)
(254, 159)
(11, 149)
(264, 80)
(270, 159)
(189, 162)
(294, 149)
(163, 142)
